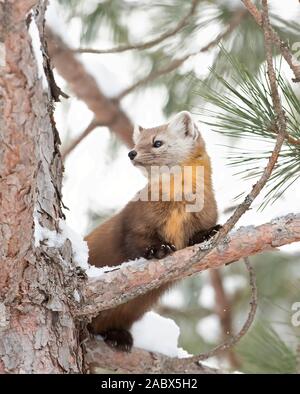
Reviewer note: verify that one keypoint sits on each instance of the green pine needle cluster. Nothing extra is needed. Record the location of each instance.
(266, 352)
(111, 16)
(245, 110)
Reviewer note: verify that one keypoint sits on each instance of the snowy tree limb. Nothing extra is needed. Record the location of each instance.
(99, 355)
(130, 280)
(282, 46)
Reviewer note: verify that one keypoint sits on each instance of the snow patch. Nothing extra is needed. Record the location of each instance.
(55, 239)
(76, 296)
(95, 272)
(80, 251)
(79, 246)
(2, 54)
(211, 362)
(37, 49)
(156, 333)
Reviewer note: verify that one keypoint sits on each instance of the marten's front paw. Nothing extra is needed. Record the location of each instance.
(118, 339)
(205, 235)
(159, 251)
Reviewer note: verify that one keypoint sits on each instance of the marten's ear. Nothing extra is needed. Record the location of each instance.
(183, 123)
(136, 133)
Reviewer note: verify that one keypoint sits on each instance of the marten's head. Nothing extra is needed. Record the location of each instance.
(170, 144)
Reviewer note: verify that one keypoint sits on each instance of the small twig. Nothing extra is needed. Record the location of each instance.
(174, 64)
(242, 208)
(146, 45)
(281, 121)
(281, 135)
(291, 140)
(183, 313)
(223, 310)
(282, 46)
(77, 140)
(84, 85)
(131, 280)
(99, 355)
(250, 318)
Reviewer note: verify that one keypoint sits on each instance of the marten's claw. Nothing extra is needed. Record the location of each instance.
(149, 253)
(205, 235)
(159, 252)
(118, 339)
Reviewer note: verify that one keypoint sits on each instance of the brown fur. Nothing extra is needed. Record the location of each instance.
(141, 224)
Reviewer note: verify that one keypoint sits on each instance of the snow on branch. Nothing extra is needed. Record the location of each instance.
(130, 280)
(99, 355)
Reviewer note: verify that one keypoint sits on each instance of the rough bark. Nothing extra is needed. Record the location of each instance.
(100, 355)
(107, 111)
(130, 280)
(37, 283)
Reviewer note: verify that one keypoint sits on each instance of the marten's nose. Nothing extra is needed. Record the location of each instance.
(132, 154)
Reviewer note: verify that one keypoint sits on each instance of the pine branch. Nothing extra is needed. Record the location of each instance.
(72, 145)
(99, 355)
(107, 111)
(247, 111)
(281, 125)
(233, 340)
(174, 64)
(134, 279)
(130, 280)
(183, 313)
(282, 46)
(281, 120)
(223, 311)
(149, 44)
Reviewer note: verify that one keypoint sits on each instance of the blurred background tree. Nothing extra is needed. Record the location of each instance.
(149, 60)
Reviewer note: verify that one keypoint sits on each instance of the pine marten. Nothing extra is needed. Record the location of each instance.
(153, 229)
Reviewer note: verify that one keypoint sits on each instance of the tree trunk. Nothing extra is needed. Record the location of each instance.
(37, 282)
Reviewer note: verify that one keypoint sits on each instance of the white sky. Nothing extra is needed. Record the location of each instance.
(97, 181)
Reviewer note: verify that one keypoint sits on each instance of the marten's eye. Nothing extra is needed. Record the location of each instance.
(157, 144)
